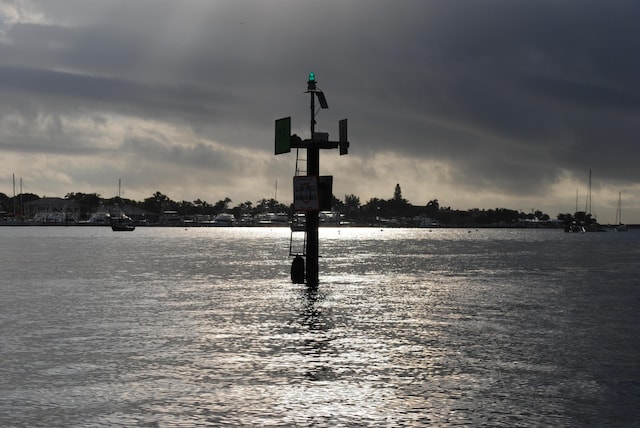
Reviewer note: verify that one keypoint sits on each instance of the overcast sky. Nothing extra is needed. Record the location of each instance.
(478, 103)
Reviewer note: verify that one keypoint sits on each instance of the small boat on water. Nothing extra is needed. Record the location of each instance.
(122, 223)
(123, 227)
(575, 228)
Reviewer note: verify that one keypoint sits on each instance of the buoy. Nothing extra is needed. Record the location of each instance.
(297, 270)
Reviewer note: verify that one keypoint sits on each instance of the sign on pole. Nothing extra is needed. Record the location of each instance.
(344, 142)
(283, 135)
(305, 193)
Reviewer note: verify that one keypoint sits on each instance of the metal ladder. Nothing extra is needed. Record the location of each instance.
(298, 171)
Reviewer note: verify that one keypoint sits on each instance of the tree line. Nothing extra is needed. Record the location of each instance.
(395, 210)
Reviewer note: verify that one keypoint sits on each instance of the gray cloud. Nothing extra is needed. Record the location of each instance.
(515, 98)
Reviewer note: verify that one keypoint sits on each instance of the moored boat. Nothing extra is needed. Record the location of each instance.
(575, 228)
(123, 227)
(223, 220)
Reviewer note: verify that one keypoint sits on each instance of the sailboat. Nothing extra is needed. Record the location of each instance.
(120, 222)
(619, 227)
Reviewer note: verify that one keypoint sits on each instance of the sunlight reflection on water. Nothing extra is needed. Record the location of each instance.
(408, 327)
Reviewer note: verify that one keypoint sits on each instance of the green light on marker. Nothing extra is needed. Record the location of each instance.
(312, 77)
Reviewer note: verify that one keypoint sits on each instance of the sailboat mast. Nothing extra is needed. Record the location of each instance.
(587, 205)
(14, 197)
(619, 210)
(21, 202)
(620, 205)
(590, 191)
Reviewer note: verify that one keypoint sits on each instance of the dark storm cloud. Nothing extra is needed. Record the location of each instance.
(490, 77)
(72, 91)
(198, 155)
(512, 96)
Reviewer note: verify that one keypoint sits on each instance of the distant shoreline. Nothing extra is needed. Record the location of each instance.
(381, 226)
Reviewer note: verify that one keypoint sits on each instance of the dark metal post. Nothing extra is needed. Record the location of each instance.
(313, 169)
(284, 141)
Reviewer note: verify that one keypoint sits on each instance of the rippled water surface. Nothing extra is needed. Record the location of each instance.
(202, 327)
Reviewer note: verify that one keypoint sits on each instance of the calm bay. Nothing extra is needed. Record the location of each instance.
(409, 327)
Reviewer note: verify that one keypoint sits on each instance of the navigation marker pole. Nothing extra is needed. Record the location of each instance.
(311, 193)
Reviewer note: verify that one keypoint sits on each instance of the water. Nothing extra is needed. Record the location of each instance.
(202, 327)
